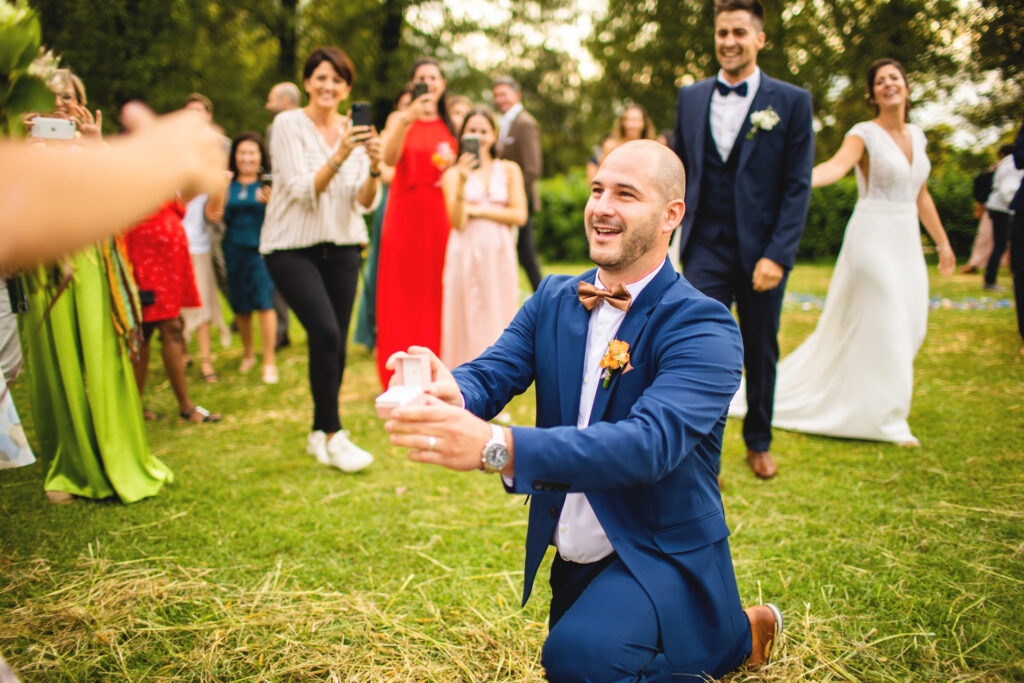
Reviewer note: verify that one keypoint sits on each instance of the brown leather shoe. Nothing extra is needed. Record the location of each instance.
(762, 464)
(765, 629)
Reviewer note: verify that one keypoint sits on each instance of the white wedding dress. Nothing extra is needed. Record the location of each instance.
(853, 377)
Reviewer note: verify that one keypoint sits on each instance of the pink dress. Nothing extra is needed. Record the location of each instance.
(481, 276)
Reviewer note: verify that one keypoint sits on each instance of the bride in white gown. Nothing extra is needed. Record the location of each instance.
(853, 377)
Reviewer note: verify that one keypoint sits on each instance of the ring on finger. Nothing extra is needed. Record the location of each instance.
(431, 443)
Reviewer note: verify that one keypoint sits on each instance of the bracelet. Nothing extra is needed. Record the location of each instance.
(335, 167)
(375, 174)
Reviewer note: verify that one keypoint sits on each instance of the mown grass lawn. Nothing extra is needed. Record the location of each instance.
(891, 564)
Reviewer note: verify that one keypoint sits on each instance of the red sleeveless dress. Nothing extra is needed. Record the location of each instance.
(413, 241)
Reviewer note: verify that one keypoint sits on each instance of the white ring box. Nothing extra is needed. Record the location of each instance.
(412, 373)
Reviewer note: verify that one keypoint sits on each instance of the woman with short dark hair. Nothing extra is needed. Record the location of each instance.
(326, 175)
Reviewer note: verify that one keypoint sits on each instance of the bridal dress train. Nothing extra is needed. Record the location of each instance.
(853, 377)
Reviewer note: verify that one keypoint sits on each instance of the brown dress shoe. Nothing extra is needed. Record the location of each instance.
(765, 628)
(762, 464)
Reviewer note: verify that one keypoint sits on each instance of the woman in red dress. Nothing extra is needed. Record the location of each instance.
(419, 143)
(158, 251)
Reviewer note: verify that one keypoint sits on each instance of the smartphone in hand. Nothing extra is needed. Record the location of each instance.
(471, 145)
(362, 114)
(419, 88)
(52, 128)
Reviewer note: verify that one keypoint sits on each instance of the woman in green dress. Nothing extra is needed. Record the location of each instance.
(77, 337)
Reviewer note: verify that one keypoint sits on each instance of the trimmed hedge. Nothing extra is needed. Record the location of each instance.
(560, 235)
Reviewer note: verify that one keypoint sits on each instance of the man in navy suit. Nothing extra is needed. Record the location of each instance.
(621, 467)
(748, 147)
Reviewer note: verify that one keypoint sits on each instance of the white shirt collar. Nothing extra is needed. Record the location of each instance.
(634, 288)
(512, 112)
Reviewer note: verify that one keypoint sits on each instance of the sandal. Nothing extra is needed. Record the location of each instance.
(206, 415)
(247, 365)
(151, 415)
(208, 375)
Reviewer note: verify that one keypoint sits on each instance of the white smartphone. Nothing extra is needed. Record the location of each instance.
(53, 129)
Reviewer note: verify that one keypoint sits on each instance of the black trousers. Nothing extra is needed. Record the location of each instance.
(319, 283)
(1000, 231)
(527, 252)
(713, 267)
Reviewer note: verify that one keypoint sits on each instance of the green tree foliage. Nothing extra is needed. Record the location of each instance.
(1000, 52)
(160, 52)
(233, 52)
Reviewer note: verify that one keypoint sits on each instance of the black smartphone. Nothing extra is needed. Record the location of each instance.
(362, 114)
(471, 145)
(419, 88)
(267, 179)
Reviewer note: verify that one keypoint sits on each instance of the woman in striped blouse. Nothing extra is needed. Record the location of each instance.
(325, 176)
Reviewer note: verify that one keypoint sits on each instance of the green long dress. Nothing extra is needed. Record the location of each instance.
(84, 402)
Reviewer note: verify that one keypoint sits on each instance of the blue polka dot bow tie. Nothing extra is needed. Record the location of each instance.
(724, 89)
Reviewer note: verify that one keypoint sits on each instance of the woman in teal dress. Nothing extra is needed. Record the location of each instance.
(242, 206)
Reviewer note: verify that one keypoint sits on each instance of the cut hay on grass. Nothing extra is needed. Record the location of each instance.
(259, 564)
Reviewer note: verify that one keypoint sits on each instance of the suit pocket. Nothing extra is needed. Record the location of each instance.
(691, 534)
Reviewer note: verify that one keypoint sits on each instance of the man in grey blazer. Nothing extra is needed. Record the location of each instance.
(519, 141)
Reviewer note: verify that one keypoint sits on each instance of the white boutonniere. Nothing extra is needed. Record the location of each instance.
(765, 120)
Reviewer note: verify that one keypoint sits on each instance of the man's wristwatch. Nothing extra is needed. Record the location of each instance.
(495, 453)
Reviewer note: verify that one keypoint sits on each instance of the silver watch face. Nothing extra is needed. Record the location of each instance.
(496, 456)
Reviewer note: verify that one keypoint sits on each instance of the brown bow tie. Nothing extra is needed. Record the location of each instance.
(591, 296)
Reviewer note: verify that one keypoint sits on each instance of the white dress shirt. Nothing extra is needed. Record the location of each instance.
(728, 111)
(1005, 183)
(506, 121)
(579, 536)
(194, 223)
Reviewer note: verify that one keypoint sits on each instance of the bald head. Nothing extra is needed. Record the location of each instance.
(283, 97)
(665, 173)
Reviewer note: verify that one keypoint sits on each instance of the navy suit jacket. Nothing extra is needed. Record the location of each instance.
(648, 463)
(773, 176)
(1018, 160)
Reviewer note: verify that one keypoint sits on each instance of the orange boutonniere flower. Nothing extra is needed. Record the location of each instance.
(613, 361)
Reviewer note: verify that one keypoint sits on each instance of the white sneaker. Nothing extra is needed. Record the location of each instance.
(316, 445)
(345, 455)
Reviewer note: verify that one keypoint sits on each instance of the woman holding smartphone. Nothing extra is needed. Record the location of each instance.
(242, 206)
(418, 142)
(486, 201)
(326, 175)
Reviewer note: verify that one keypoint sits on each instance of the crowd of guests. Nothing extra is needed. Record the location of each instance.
(449, 189)
(442, 269)
(452, 189)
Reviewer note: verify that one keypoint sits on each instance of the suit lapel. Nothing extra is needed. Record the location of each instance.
(570, 347)
(631, 330)
(698, 112)
(762, 99)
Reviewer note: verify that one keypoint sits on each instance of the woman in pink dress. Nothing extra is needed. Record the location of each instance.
(419, 144)
(486, 201)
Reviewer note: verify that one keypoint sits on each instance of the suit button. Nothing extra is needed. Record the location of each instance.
(553, 512)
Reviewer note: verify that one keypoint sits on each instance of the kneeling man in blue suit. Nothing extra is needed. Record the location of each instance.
(634, 371)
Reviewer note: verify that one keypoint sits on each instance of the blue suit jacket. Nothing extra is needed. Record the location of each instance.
(648, 463)
(773, 176)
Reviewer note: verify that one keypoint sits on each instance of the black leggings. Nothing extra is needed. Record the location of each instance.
(319, 283)
(1000, 231)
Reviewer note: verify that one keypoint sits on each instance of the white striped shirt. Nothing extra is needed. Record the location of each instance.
(296, 215)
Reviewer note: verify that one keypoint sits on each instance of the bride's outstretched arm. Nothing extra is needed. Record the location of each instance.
(930, 218)
(828, 172)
